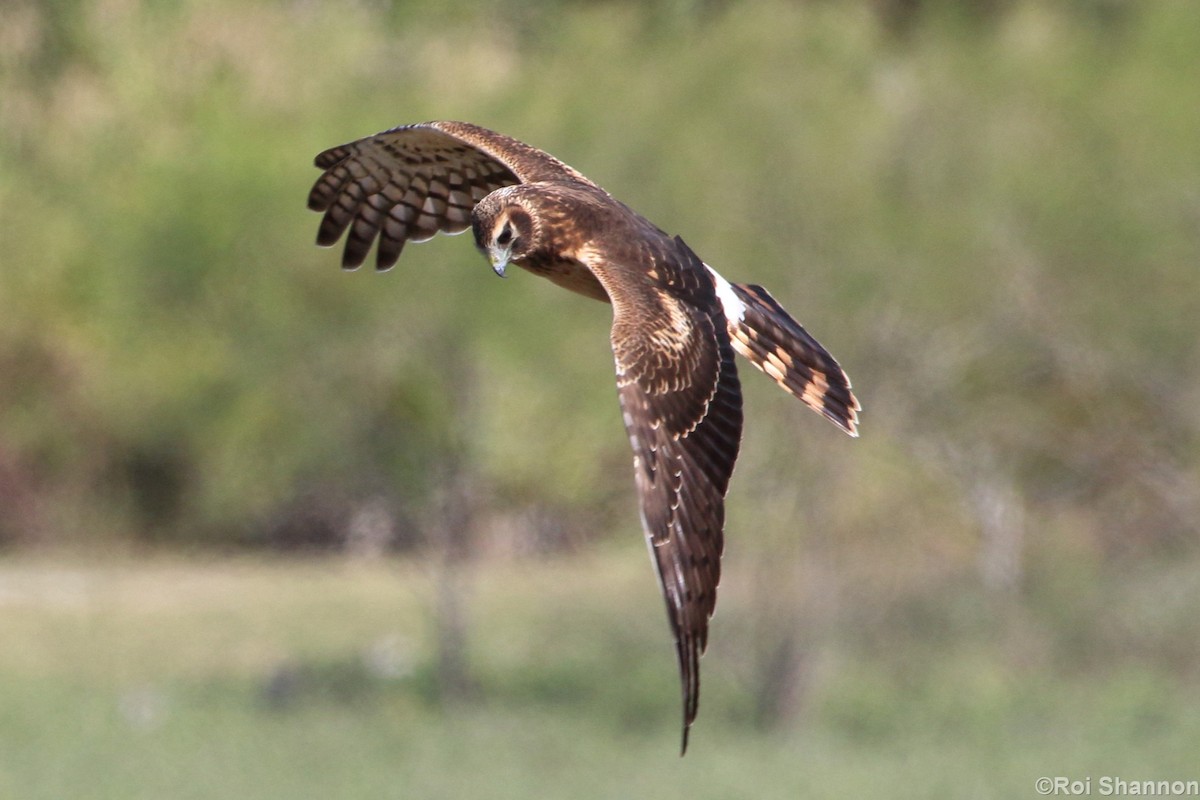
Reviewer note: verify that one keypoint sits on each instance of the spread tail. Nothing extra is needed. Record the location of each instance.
(780, 347)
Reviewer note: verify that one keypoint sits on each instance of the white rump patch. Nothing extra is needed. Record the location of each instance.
(734, 308)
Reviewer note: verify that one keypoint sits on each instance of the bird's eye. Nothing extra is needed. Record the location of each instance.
(505, 237)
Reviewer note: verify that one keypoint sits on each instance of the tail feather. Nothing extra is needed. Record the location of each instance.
(778, 345)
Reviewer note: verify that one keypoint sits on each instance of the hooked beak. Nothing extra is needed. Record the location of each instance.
(499, 259)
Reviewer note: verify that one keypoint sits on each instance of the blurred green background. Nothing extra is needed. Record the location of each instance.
(274, 530)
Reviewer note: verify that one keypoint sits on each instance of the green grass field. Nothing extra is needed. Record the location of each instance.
(240, 678)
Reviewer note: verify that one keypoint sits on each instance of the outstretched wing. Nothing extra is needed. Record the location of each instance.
(682, 406)
(409, 183)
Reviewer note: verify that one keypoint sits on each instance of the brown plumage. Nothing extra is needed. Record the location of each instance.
(676, 322)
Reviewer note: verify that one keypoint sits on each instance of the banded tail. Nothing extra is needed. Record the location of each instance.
(762, 331)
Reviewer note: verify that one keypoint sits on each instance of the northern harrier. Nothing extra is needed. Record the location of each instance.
(676, 322)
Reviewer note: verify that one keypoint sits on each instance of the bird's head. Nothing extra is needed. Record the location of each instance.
(505, 228)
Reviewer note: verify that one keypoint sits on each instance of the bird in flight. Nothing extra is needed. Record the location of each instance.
(676, 322)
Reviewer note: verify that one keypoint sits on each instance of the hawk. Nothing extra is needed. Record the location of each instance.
(676, 322)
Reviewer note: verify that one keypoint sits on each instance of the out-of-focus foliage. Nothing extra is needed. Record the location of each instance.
(992, 220)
